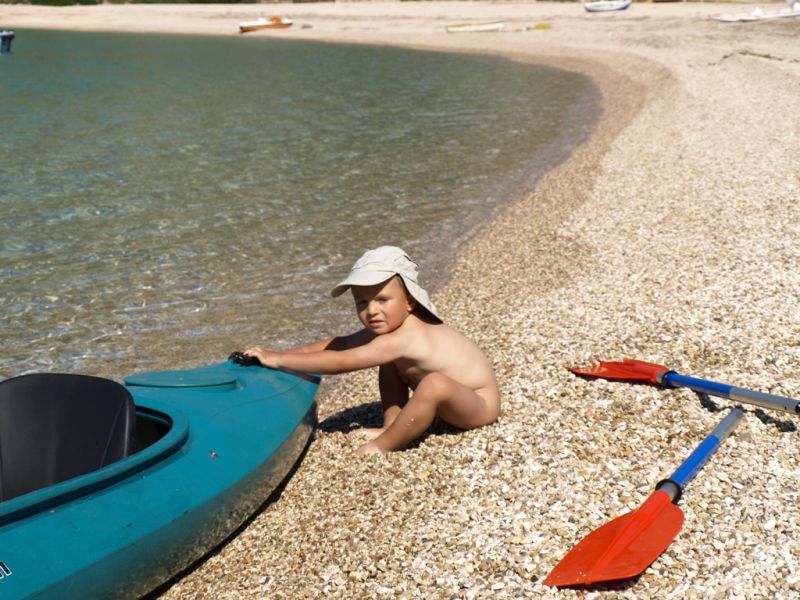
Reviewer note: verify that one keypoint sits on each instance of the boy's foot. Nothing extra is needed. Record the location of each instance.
(368, 448)
(368, 432)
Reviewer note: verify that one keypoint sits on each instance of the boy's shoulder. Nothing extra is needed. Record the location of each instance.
(421, 330)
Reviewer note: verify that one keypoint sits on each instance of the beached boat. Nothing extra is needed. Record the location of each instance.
(606, 5)
(264, 23)
(482, 27)
(757, 14)
(184, 458)
(6, 37)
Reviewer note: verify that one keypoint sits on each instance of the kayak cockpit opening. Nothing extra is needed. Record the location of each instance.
(56, 426)
(151, 426)
(64, 436)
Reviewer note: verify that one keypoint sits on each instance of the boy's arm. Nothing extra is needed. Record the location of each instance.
(380, 350)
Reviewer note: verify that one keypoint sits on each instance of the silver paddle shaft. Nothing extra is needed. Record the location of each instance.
(723, 390)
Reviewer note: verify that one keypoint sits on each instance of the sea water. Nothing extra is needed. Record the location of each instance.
(168, 199)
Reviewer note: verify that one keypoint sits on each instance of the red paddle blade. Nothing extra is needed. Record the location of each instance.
(621, 548)
(629, 369)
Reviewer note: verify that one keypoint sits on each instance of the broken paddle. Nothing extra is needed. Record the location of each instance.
(626, 546)
(636, 370)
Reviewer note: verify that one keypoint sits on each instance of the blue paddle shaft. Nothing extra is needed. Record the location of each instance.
(701, 386)
(706, 449)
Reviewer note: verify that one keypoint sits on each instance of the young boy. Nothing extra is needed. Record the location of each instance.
(414, 350)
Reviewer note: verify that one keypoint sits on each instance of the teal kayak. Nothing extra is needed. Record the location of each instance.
(210, 446)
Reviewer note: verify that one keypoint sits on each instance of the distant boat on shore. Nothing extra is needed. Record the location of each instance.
(757, 14)
(264, 23)
(5, 40)
(606, 5)
(481, 27)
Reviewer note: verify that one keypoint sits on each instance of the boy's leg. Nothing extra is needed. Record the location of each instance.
(394, 396)
(435, 395)
(394, 393)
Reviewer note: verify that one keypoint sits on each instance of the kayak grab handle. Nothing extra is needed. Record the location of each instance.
(671, 379)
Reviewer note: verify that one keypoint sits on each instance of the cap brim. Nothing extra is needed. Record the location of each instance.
(371, 278)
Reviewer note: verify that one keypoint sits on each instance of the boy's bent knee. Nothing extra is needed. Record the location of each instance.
(435, 385)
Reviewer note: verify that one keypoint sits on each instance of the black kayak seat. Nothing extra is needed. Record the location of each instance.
(56, 426)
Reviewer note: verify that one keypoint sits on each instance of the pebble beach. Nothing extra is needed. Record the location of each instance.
(671, 235)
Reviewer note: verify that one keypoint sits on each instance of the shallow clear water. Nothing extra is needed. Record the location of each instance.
(168, 199)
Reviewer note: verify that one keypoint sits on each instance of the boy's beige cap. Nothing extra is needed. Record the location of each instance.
(380, 264)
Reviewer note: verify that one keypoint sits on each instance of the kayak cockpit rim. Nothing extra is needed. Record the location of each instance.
(153, 448)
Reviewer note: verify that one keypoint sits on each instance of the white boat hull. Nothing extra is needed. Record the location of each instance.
(606, 5)
(476, 27)
(757, 15)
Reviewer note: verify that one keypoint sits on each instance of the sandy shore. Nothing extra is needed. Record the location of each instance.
(671, 235)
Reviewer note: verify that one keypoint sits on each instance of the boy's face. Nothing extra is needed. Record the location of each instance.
(383, 307)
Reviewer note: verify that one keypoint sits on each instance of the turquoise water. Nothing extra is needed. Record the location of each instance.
(168, 199)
